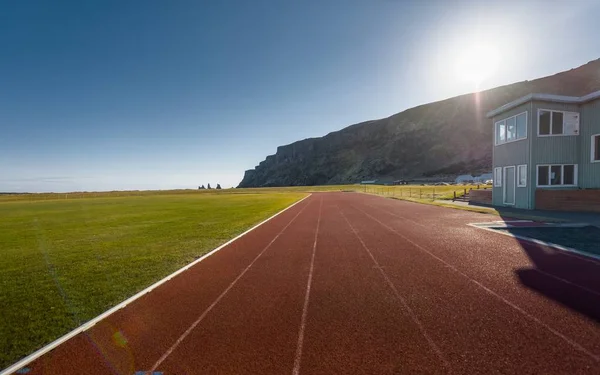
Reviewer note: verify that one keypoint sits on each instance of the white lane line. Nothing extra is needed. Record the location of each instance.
(551, 245)
(40, 352)
(574, 344)
(298, 357)
(216, 301)
(588, 257)
(410, 311)
(398, 216)
(568, 282)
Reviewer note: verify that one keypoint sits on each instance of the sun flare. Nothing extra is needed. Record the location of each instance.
(476, 63)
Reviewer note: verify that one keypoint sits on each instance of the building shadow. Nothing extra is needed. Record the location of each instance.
(570, 280)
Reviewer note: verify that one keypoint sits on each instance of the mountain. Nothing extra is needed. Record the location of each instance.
(451, 136)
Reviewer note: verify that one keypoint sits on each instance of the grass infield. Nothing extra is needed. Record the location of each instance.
(65, 260)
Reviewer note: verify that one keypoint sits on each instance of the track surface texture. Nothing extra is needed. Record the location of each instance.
(347, 283)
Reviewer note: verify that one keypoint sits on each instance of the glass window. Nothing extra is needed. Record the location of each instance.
(498, 176)
(556, 175)
(511, 129)
(522, 176)
(522, 126)
(557, 122)
(596, 147)
(569, 175)
(543, 175)
(501, 138)
(544, 123)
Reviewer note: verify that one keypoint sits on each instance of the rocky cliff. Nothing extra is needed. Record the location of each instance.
(447, 137)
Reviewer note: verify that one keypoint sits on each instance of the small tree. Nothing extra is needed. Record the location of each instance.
(209, 187)
(218, 186)
(201, 187)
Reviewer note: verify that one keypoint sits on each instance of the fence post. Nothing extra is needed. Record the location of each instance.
(420, 193)
(454, 196)
(410, 192)
(433, 195)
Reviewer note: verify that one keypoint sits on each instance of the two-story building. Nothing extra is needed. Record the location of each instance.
(547, 152)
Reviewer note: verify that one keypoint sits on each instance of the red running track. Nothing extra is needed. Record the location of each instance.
(346, 283)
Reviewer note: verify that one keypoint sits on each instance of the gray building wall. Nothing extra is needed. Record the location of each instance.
(589, 173)
(553, 149)
(535, 150)
(513, 154)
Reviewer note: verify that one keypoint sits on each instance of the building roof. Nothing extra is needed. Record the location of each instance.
(546, 98)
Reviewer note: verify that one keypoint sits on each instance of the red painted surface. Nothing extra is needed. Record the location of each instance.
(398, 287)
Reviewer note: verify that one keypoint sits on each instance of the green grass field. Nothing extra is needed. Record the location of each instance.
(67, 258)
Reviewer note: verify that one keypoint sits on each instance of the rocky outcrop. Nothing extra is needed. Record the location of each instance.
(451, 136)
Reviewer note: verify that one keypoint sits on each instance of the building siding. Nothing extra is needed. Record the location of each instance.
(589, 173)
(513, 154)
(536, 150)
(554, 149)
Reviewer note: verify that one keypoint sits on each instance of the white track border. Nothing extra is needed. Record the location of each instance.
(40, 352)
(589, 257)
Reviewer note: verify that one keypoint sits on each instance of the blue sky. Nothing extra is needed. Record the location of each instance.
(103, 95)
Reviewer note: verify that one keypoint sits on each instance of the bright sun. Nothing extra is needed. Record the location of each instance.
(476, 63)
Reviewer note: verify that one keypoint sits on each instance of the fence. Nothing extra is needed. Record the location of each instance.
(446, 192)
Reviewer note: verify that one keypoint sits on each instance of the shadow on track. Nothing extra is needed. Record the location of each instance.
(568, 280)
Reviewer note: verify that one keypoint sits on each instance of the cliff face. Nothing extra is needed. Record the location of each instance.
(449, 136)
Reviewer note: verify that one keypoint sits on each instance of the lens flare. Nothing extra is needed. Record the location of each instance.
(477, 63)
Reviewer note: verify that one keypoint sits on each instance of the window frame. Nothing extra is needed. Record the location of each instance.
(554, 135)
(562, 175)
(593, 150)
(519, 175)
(506, 129)
(498, 181)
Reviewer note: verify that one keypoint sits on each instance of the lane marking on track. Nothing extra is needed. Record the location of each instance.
(298, 357)
(568, 282)
(551, 245)
(398, 216)
(218, 299)
(410, 311)
(591, 258)
(574, 344)
(40, 352)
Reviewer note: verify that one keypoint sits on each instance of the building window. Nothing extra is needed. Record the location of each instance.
(596, 148)
(556, 175)
(522, 176)
(511, 129)
(498, 177)
(557, 123)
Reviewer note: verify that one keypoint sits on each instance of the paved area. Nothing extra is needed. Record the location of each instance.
(574, 217)
(581, 238)
(347, 283)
